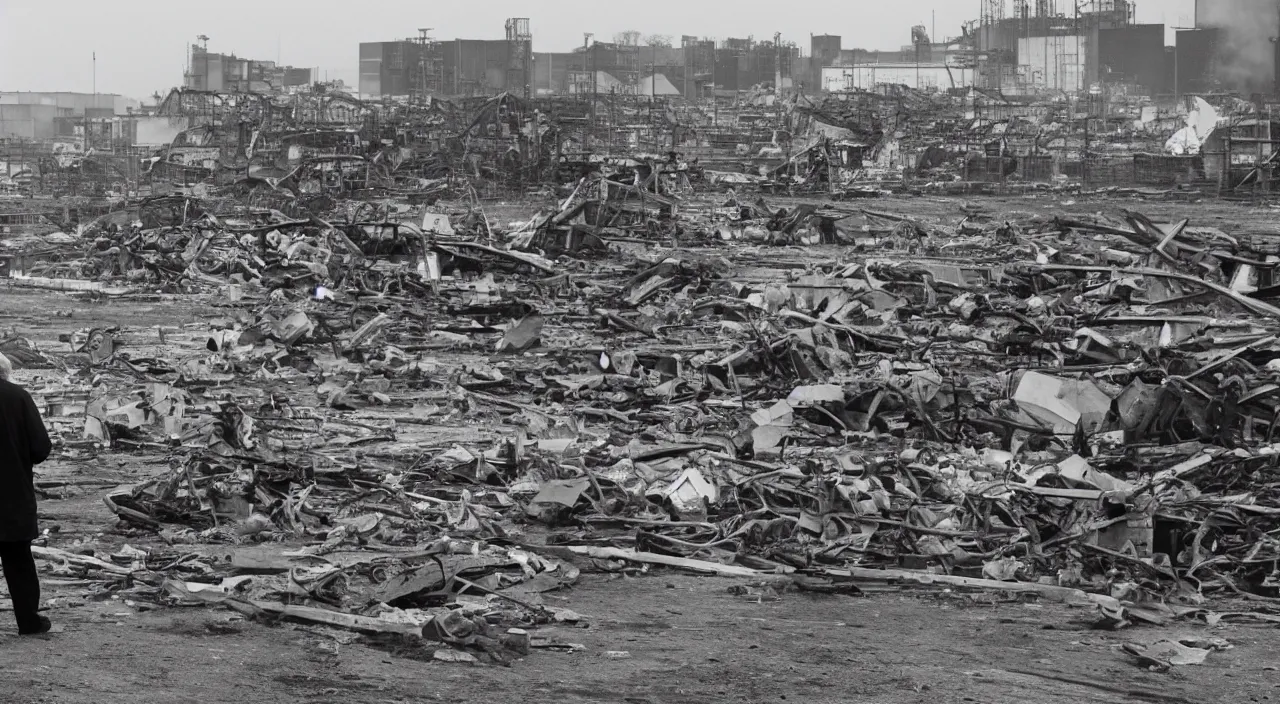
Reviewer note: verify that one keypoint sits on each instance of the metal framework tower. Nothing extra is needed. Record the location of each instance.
(992, 11)
(519, 56)
(426, 70)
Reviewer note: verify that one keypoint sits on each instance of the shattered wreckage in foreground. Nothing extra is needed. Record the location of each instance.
(405, 416)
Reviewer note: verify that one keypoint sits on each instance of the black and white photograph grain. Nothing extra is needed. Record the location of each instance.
(676, 352)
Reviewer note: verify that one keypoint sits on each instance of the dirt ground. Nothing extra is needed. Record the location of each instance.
(685, 638)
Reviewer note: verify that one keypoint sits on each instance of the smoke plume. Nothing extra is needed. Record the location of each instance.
(1246, 55)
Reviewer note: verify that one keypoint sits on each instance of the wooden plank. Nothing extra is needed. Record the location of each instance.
(701, 566)
(1064, 594)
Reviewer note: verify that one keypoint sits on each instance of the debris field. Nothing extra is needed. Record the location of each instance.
(423, 417)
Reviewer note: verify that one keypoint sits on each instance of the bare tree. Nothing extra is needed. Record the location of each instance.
(658, 40)
(628, 38)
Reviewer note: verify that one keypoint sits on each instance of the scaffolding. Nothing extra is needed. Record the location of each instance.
(426, 75)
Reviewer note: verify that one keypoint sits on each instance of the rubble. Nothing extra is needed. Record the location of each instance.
(432, 417)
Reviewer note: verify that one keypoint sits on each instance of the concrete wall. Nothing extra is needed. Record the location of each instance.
(661, 56)
(213, 79)
(1193, 60)
(34, 122)
(301, 76)
(826, 47)
(76, 102)
(1053, 63)
(867, 76)
(475, 64)
(385, 68)
(1134, 54)
(370, 70)
(729, 70)
(551, 71)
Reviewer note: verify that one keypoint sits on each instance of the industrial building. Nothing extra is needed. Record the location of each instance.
(921, 76)
(1134, 54)
(1016, 47)
(228, 73)
(389, 68)
(1029, 46)
(424, 66)
(421, 66)
(409, 68)
(924, 64)
(1050, 45)
(36, 116)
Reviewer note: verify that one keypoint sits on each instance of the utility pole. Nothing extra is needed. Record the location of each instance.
(917, 64)
(95, 101)
(653, 75)
(688, 63)
(1084, 157)
(777, 60)
(1088, 102)
(586, 73)
(1083, 79)
(1277, 66)
(977, 36)
(423, 41)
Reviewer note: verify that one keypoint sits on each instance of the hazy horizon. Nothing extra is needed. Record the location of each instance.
(142, 45)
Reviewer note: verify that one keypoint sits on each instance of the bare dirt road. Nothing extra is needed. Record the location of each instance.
(686, 639)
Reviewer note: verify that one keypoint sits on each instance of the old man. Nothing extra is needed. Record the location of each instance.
(24, 443)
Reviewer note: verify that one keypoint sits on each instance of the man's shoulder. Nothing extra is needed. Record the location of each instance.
(10, 391)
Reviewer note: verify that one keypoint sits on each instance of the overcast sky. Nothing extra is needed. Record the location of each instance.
(48, 45)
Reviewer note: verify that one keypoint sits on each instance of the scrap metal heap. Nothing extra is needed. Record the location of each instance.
(411, 417)
(855, 144)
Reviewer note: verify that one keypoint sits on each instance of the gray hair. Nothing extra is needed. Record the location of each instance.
(6, 368)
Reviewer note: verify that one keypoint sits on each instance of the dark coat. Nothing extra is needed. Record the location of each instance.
(24, 443)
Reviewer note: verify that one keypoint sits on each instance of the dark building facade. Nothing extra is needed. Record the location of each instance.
(1193, 60)
(476, 66)
(826, 48)
(699, 65)
(388, 68)
(742, 64)
(1133, 54)
(457, 67)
